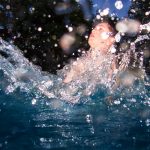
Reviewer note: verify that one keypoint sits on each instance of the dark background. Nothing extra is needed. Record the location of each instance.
(20, 20)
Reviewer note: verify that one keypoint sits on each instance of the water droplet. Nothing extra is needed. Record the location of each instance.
(118, 37)
(8, 7)
(147, 13)
(34, 101)
(42, 139)
(147, 122)
(88, 118)
(49, 16)
(98, 16)
(117, 102)
(55, 45)
(105, 12)
(119, 4)
(39, 29)
(113, 50)
(121, 26)
(58, 65)
(70, 29)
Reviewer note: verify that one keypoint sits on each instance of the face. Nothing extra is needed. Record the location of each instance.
(101, 37)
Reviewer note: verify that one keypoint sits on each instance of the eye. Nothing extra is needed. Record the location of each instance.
(99, 28)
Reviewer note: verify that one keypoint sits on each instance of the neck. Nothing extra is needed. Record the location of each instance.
(95, 52)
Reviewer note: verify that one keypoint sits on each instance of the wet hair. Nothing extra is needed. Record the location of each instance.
(107, 19)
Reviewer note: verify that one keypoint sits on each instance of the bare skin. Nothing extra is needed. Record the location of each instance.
(101, 38)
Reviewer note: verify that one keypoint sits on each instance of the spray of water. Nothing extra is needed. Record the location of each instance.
(18, 72)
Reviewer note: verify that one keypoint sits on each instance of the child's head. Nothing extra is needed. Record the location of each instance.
(102, 36)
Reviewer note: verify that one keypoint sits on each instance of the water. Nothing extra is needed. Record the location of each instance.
(58, 125)
(30, 120)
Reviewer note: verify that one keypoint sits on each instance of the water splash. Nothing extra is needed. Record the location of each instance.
(56, 124)
(19, 73)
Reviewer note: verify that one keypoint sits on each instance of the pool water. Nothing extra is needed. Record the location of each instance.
(53, 124)
(30, 120)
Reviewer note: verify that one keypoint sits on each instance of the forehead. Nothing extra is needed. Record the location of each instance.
(104, 25)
